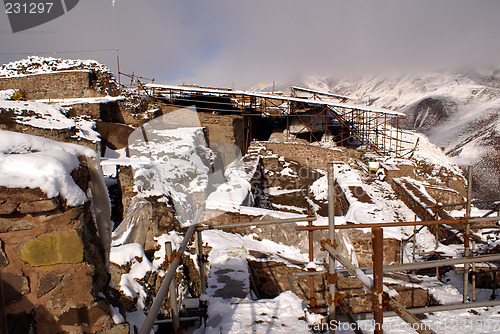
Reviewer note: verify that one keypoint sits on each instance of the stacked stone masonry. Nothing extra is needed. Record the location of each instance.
(311, 156)
(55, 85)
(52, 265)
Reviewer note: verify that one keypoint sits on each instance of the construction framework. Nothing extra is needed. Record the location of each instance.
(319, 113)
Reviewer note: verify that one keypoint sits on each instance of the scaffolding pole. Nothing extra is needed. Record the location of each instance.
(467, 233)
(165, 285)
(331, 235)
(400, 310)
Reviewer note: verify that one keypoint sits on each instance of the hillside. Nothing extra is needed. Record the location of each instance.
(458, 111)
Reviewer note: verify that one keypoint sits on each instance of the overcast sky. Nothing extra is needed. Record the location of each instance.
(238, 43)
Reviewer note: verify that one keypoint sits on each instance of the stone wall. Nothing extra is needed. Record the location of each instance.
(55, 85)
(62, 135)
(270, 278)
(226, 135)
(419, 208)
(362, 243)
(53, 269)
(162, 215)
(311, 156)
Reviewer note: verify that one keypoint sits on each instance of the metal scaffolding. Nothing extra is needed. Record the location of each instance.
(319, 114)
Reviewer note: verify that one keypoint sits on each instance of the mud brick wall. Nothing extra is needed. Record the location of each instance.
(56, 85)
(226, 135)
(397, 171)
(362, 243)
(52, 265)
(308, 155)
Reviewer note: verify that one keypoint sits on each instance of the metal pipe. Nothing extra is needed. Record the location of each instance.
(331, 235)
(167, 321)
(473, 273)
(172, 292)
(256, 223)
(428, 309)
(162, 293)
(463, 203)
(350, 318)
(378, 278)
(467, 233)
(311, 259)
(400, 224)
(417, 265)
(366, 281)
(201, 262)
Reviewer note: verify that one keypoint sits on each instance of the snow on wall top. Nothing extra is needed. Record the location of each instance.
(38, 115)
(34, 162)
(39, 65)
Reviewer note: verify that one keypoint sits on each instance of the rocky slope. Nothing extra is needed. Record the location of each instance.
(458, 111)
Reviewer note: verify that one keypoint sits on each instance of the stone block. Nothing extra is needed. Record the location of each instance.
(10, 224)
(50, 249)
(117, 329)
(7, 207)
(15, 286)
(47, 282)
(74, 289)
(39, 206)
(97, 314)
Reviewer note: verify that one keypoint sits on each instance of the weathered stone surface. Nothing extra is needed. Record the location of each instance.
(39, 206)
(7, 207)
(47, 282)
(11, 224)
(116, 329)
(3, 257)
(50, 249)
(21, 194)
(15, 286)
(92, 315)
(75, 288)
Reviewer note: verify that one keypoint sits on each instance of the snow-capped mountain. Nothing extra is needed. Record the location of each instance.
(458, 111)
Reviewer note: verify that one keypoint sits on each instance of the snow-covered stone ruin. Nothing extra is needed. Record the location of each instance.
(100, 184)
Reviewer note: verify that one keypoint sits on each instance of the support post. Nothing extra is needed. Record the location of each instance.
(467, 233)
(378, 278)
(312, 298)
(162, 293)
(399, 309)
(473, 273)
(172, 293)
(331, 236)
(437, 245)
(201, 262)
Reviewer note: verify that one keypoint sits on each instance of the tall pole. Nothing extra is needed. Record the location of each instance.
(331, 236)
(172, 292)
(467, 232)
(165, 285)
(378, 278)
(201, 262)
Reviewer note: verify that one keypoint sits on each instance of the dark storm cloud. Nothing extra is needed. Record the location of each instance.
(243, 42)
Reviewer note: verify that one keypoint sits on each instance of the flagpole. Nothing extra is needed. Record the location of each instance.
(116, 42)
